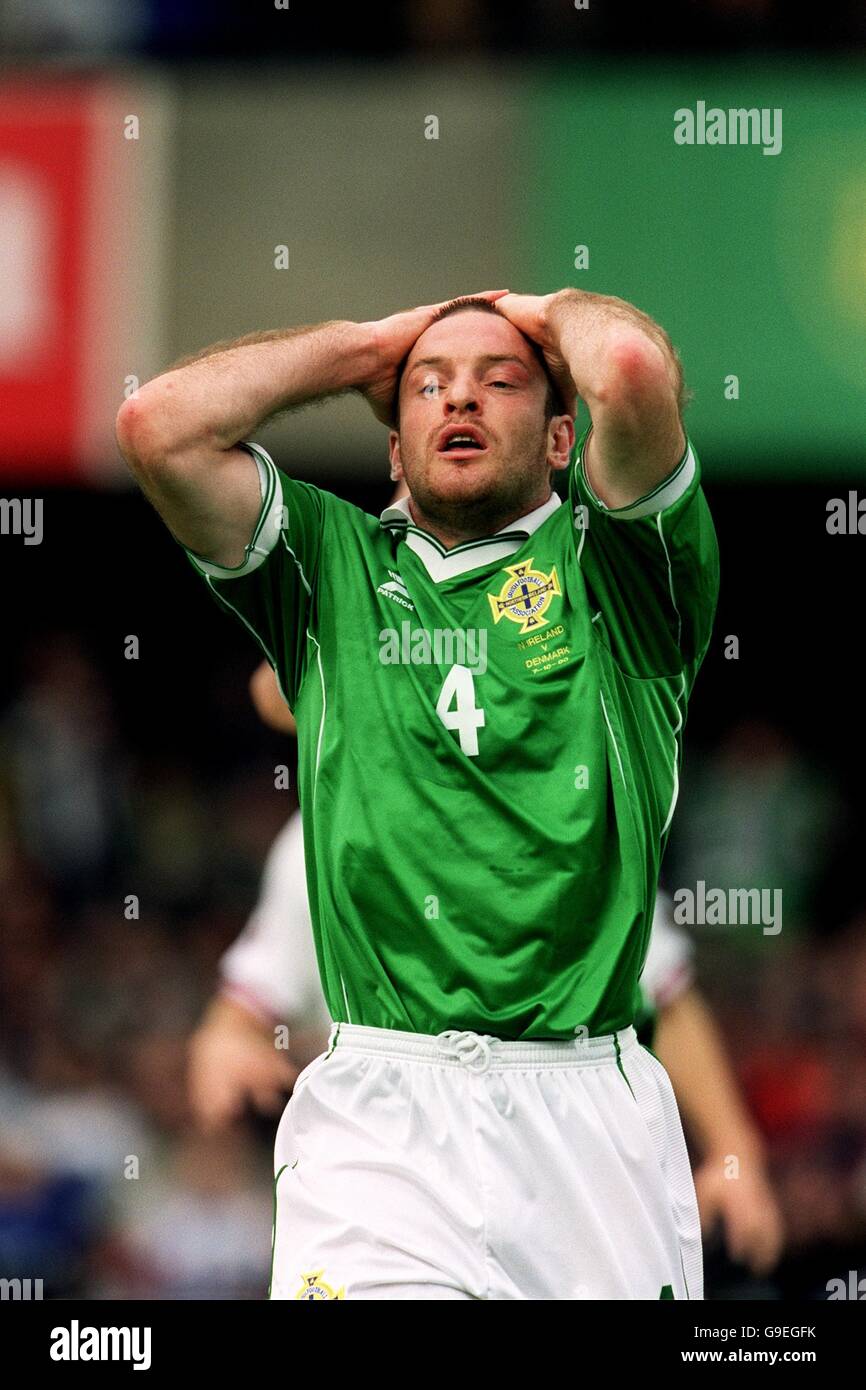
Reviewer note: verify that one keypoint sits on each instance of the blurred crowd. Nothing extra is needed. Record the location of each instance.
(120, 886)
(212, 29)
(124, 877)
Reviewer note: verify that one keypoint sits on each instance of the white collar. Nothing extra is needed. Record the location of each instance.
(446, 564)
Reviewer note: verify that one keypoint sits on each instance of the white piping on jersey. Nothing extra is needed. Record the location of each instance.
(312, 638)
(267, 528)
(668, 491)
(345, 998)
(677, 732)
(670, 578)
(299, 565)
(272, 508)
(448, 564)
(662, 496)
(272, 503)
(269, 657)
(324, 712)
(268, 477)
(612, 736)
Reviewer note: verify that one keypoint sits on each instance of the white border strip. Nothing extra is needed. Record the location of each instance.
(663, 495)
(267, 529)
(612, 737)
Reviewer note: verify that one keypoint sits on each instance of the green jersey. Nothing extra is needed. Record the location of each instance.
(489, 743)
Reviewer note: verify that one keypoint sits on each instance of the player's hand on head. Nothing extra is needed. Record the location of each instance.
(394, 338)
(534, 316)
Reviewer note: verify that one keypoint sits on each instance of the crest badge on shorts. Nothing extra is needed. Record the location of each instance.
(314, 1288)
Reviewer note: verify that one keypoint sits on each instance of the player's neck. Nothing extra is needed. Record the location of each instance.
(463, 530)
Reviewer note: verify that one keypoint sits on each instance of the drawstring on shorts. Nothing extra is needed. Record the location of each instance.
(472, 1050)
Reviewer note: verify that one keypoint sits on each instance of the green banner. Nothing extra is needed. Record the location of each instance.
(729, 202)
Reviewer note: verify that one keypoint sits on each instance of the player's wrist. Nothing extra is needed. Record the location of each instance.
(747, 1148)
(558, 312)
(236, 1008)
(372, 357)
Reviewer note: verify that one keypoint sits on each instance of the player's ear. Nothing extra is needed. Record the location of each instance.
(394, 455)
(560, 441)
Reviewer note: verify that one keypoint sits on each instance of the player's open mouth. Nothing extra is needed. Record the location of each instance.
(457, 443)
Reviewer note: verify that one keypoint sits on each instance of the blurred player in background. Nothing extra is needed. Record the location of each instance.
(490, 689)
(731, 1180)
(270, 982)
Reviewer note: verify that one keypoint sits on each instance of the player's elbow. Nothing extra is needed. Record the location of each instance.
(145, 434)
(138, 435)
(636, 377)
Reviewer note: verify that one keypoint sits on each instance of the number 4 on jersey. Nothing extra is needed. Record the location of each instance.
(457, 709)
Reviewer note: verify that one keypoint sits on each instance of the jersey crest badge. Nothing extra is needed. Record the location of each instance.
(525, 596)
(314, 1289)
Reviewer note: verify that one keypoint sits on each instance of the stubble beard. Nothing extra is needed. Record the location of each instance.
(509, 496)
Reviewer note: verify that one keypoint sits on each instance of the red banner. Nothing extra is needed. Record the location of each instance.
(71, 195)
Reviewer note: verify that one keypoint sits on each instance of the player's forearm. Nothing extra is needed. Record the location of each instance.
(607, 345)
(690, 1047)
(226, 392)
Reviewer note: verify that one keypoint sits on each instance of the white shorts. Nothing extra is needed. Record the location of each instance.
(462, 1166)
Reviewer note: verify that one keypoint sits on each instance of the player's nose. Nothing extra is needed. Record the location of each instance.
(461, 398)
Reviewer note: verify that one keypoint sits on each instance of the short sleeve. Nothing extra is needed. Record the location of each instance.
(273, 591)
(651, 569)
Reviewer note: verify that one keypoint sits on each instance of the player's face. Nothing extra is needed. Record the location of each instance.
(474, 373)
